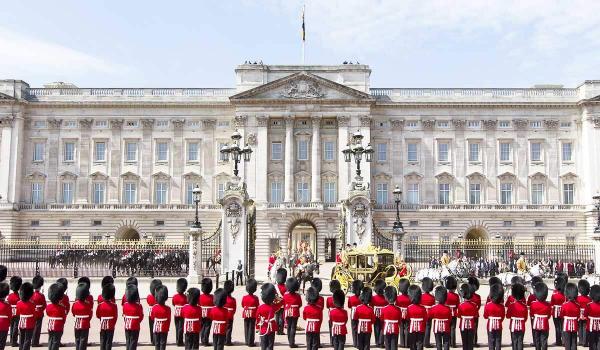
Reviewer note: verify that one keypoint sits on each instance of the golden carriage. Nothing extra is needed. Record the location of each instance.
(369, 265)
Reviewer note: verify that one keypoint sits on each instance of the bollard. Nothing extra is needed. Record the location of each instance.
(114, 272)
(75, 270)
(227, 276)
(217, 282)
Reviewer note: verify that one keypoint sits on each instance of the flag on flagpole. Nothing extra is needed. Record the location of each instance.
(303, 27)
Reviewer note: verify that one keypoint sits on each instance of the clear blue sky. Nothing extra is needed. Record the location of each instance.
(198, 43)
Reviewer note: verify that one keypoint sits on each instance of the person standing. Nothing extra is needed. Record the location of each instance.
(339, 317)
(26, 315)
(378, 302)
(206, 303)
(133, 315)
(231, 306)
(190, 315)
(151, 301)
(365, 318)
(583, 300)
(219, 316)
(494, 313)
(452, 302)
(82, 311)
(428, 301)
(556, 301)
(313, 315)
(107, 314)
(353, 303)
(39, 300)
(441, 316)
(541, 312)
(179, 301)
(12, 299)
(569, 313)
(5, 312)
(249, 306)
(468, 313)
(391, 316)
(517, 313)
(403, 301)
(292, 304)
(592, 315)
(161, 317)
(239, 273)
(265, 321)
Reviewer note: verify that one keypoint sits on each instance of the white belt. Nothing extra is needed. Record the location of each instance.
(414, 324)
(288, 311)
(352, 310)
(556, 309)
(388, 326)
(129, 320)
(52, 322)
(178, 310)
(403, 310)
(216, 325)
(336, 327)
(517, 324)
(205, 311)
(189, 324)
(377, 310)
(363, 325)
(248, 311)
(311, 325)
(494, 323)
(538, 322)
(104, 322)
(594, 323)
(158, 322)
(439, 325)
(39, 306)
(14, 310)
(4, 316)
(569, 324)
(466, 322)
(269, 325)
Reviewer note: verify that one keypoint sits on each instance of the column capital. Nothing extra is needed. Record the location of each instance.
(316, 121)
(428, 124)
(54, 123)
(178, 123)
(116, 123)
(289, 120)
(86, 123)
(595, 120)
(458, 123)
(239, 121)
(520, 124)
(365, 121)
(343, 120)
(7, 121)
(551, 123)
(147, 123)
(397, 124)
(262, 120)
(209, 123)
(490, 124)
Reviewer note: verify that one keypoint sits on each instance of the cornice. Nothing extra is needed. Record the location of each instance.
(474, 104)
(129, 104)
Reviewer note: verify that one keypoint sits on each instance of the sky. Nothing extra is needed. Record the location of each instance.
(135, 43)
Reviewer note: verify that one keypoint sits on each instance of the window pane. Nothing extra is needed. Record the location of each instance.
(160, 193)
(276, 151)
(189, 193)
(302, 150)
(475, 193)
(536, 151)
(382, 193)
(67, 192)
(566, 152)
(473, 152)
(381, 152)
(100, 151)
(506, 193)
(130, 193)
(329, 151)
(412, 152)
(302, 194)
(98, 194)
(442, 152)
(37, 193)
(220, 191)
(568, 193)
(504, 152)
(38, 151)
(276, 193)
(69, 155)
(329, 192)
(162, 151)
(444, 193)
(131, 150)
(192, 151)
(537, 193)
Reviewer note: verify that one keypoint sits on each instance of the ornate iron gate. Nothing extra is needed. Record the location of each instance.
(210, 253)
(380, 240)
(251, 246)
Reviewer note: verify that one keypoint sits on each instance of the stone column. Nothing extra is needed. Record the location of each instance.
(343, 167)
(460, 163)
(589, 170)
(16, 159)
(177, 161)
(365, 130)
(6, 140)
(315, 188)
(209, 159)
(234, 234)
(54, 158)
(85, 155)
(396, 154)
(490, 163)
(115, 159)
(289, 160)
(522, 161)
(553, 160)
(429, 193)
(193, 255)
(146, 154)
(261, 157)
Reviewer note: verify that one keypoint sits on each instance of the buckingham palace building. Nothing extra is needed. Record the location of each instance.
(475, 163)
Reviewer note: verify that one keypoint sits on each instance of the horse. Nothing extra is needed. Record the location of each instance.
(434, 274)
(306, 274)
(593, 279)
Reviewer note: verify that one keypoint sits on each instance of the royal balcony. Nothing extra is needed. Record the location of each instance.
(480, 207)
(128, 94)
(62, 207)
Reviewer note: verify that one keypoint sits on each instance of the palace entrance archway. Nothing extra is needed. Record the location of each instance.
(475, 245)
(302, 238)
(127, 233)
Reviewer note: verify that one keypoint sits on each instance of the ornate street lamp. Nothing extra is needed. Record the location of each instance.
(398, 228)
(596, 199)
(236, 151)
(356, 150)
(196, 194)
(195, 239)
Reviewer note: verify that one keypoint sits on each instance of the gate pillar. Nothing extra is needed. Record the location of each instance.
(359, 218)
(194, 260)
(234, 235)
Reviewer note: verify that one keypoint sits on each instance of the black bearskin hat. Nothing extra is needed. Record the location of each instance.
(206, 285)
(496, 293)
(55, 293)
(494, 280)
(365, 295)
(132, 295)
(193, 294)
(161, 294)
(15, 283)
(379, 286)
(317, 284)
(441, 294)
(450, 283)
(571, 291)
(37, 282)
(267, 293)
(427, 285)
(26, 291)
(516, 279)
(338, 298)
(414, 293)
(517, 291)
(559, 283)
(292, 285)
(563, 275)
(312, 295)
(584, 287)
(4, 290)
(390, 294)
(357, 286)
(221, 297)
(281, 276)
(403, 286)
(595, 293)
(132, 280)
(85, 280)
(334, 285)
(154, 284)
(3, 273)
(64, 282)
(535, 280)
(251, 285)
(473, 282)
(107, 280)
(466, 291)
(540, 290)
(82, 292)
(181, 285)
(228, 286)
(108, 292)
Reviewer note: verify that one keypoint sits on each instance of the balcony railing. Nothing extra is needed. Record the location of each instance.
(534, 93)
(416, 207)
(28, 206)
(131, 92)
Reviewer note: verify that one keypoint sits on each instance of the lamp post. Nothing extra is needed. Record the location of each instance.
(356, 150)
(398, 228)
(596, 199)
(236, 151)
(194, 239)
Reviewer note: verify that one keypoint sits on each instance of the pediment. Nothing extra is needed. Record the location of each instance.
(383, 176)
(98, 175)
(568, 175)
(161, 176)
(36, 175)
(475, 175)
(507, 175)
(444, 175)
(413, 175)
(192, 176)
(222, 175)
(130, 176)
(303, 87)
(538, 176)
(67, 175)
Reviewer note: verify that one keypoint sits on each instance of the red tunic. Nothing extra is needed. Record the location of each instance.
(5, 316)
(468, 313)
(378, 302)
(12, 300)
(592, 315)
(313, 315)
(161, 314)
(517, 314)
(427, 300)
(353, 303)
(320, 302)
(219, 317)
(249, 306)
(329, 303)
(179, 301)
(452, 302)
(511, 300)
(391, 316)
(206, 303)
(89, 299)
(26, 314)
(39, 300)
(191, 318)
(265, 318)
(133, 314)
(403, 301)
(417, 317)
(540, 312)
(583, 301)
(476, 298)
(83, 314)
(66, 304)
(292, 303)
(231, 305)
(338, 317)
(365, 317)
(56, 317)
(107, 313)
(570, 312)
(123, 299)
(101, 300)
(494, 314)
(556, 302)
(440, 316)
(151, 301)
(530, 299)
(281, 289)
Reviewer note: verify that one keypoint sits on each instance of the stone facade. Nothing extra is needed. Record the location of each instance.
(85, 163)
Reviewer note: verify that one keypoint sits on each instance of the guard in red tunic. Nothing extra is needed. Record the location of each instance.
(5, 312)
(467, 314)
(570, 312)
(86, 280)
(26, 315)
(39, 300)
(494, 313)
(191, 314)
(531, 297)
(416, 315)
(476, 298)
(403, 301)
(390, 317)
(378, 302)
(353, 303)
(107, 314)
(151, 301)
(365, 317)
(592, 315)
(179, 301)
(292, 302)
(452, 302)
(133, 315)
(265, 316)
(249, 307)
(317, 284)
(12, 299)
(511, 299)
(428, 301)
(441, 316)
(219, 316)
(556, 301)
(339, 318)
(106, 280)
(313, 315)
(161, 317)
(333, 286)
(130, 280)
(206, 303)
(540, 311)
(280, 278)
(517, 314)
(65, 302)
(583, 300)
(56, 316)
(82, 311)
(231, 306)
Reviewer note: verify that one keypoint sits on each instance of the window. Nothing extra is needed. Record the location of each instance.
(131, 151)
(412, 124)
(189, 192)
(97, 223)
(69, 152)
(537, 193)
(329, 192)
(160, 192)
(100, 151)
(504, 124)
(193, 123)
(70, 124)
(444, 193)
(220, 191)
(222, 156)
(34, 223)
(444, 223)
(131, 123)
(159, 223)
(276, 151)
(328, 151)
(302, 150)
(37, 193)
(568, 193)
(162, 123)
(302, 194)
(443, 148)
(507, 224)
(413, 194)
(130, 193)
(505, 152)
(39, 124)
(162, 151)
(536, 151)
(192, 152)
(67, 192)
(98, 193)
(538, 223)
(506, 193)
(65, 223)
(442, 124)
(473, 124)
(413, 223)
(565, 124)
(535, 124)
(382, 193)
(412, 151)
(473, 152)
(570, 223)
(222, 124)
(381, 152)
(567, 151)
(101, 123)
(276, 192)
(475, 193)
(38, 152)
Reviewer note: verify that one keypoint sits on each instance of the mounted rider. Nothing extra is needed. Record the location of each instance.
(522, 264)
(445, 259)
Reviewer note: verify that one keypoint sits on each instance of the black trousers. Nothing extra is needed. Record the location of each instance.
(249, 333)
(160, 341)
(330, 335)
(151, 327)
(338, 342)
(14, 332)
(582, 333)
(312, 342)
(593, 340)
(390, 341)
(279, 320)
(494, 340)
(228, 333)
(453, 332)
(53, 340)
(467, 337)
(558, 330)
(178, 331)
(81, 339)
(427, 339)
(3, 336)
(363, 341)
(377, 332)
(25, 336)
(415, 340)
(354, 326)
(540, 339)
(106, 339)
(570, 340)
(403, 336)
(475, 339)
(205, 331)
(238, 278)
(267, 341)
(442, 341)
(131, 339)
(192, 341)
(292, 322)
(219, 341)
(517, 340)
(37, 330)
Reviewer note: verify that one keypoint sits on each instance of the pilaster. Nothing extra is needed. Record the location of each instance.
(146, 154)
(461, 162)
(85, 126)
(289, 160)
(315, 188)
(522, 161)
(490, 162)
(116, 155)
(261, 157)
(343, 167)
(177, 161)
(553, 160)
(428, 155)
(54, 159)
(209, 161)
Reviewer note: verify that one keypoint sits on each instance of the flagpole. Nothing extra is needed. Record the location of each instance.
(303, 34)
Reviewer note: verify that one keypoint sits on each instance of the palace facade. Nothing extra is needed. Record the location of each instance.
(478, 163)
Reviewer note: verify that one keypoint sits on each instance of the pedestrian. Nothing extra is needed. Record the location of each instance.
(583, 300)
(494, 313)
(39, 300)
(339, 317)
(378, 302)
(239, 272)
(206, 303)
(219, 316)
(427, 300)
(161, 317)
(317, 284)
(417, 317)
(556, 301)
(511, 299)
(107, 314)
(133, 315)
(249, 306)
(365, 318)
(82, 311)
(353, 303)
(280, 278)
(106, 280)
(452, 302)
(86, 280)
(130, 281)
(292, 303)
(12, 299)
(151, 301)
(468, 313)
(403, 301)
(313, 315)
(391, 316)
(541, 312)
(231, 306)
(5, 311)
(26, 315)
(531, 298)
(441, 316)
(333, 286)
(190, 315)
(592, 315)
(475, 298)
(265, 321)
(179, 301)
(517, 314)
